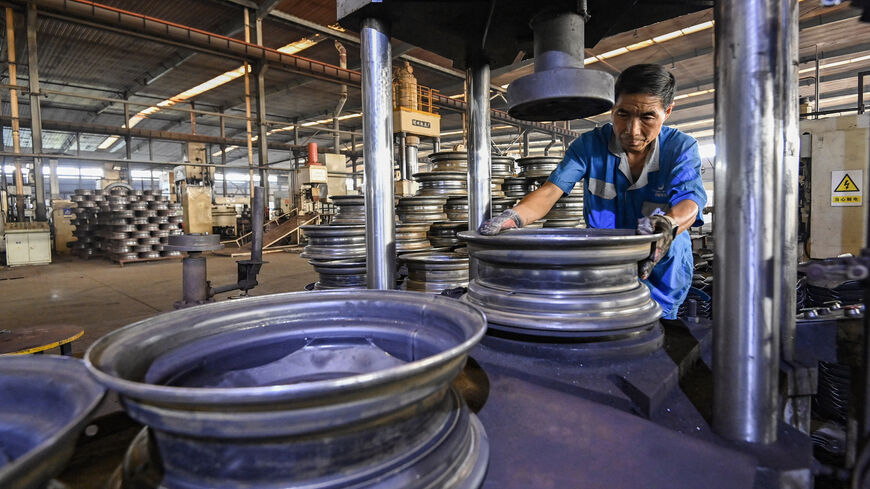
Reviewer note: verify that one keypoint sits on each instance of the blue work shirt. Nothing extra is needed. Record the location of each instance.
(613, 199)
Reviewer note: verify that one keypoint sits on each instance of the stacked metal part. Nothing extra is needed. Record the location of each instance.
(576, 284)
(567, 212)
(87, 242)
(435, 271)
(338, 254)
(350, 209)
(127, 225)
(502, 168)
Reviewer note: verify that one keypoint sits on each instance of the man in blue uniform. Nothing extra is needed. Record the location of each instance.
(632, 170)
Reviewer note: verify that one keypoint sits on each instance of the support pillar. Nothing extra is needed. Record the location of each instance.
(53, 183)
(262, 138)
(377, 95)
(479, 152)
(748, 261)
(35, 113)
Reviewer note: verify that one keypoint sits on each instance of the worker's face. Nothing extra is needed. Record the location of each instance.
(638, 119)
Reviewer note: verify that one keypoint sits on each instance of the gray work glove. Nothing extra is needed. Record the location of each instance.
(506, 220)
(657, 223)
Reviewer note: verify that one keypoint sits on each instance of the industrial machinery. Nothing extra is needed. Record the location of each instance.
(310, 182)
(193, 186)
(196, 289)
(835, 162)
(413, 117)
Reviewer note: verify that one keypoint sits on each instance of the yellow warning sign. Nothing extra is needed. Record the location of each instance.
(846, 185)
(846, 188)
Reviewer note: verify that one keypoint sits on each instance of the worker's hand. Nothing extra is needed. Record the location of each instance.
(506, 220)
(659, 223)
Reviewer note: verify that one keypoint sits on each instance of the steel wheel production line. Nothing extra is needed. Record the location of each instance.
(430, 356)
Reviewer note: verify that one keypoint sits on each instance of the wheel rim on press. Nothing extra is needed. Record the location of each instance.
(576, 283)
(328, 389)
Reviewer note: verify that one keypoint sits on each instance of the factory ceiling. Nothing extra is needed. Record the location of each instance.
(165, 80)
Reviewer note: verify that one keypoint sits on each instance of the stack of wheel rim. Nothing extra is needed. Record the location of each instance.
(350, 209)
(338, 254)
(435, 271)
(127, 225)
(502, 168)
(568, 210)
(87, 243)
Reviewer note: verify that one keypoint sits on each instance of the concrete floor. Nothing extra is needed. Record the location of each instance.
(101, 296)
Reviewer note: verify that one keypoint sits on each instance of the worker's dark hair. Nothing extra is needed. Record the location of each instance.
(649, 79)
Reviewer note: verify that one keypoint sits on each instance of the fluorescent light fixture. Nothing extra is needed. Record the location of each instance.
(701, 134)
(695, 94)
(694, 123)
(836, 63)
(649, 42)
(222, 79)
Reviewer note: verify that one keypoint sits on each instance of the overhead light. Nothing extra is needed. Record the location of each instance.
(337, 27)
(695, 94)
(695, 123)
(222, 79)
(836, 63)
(649, 42)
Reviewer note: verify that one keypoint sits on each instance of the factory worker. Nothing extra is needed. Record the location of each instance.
(635, 174)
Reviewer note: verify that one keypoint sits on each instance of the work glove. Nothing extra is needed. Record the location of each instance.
(506, 220)
(656, 223)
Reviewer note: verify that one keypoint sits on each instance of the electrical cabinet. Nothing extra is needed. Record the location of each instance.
(28, 247)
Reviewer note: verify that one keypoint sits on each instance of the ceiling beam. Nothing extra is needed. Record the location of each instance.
(266, 8)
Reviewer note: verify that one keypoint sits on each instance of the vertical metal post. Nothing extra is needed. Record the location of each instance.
(35, 113)
(479, 152)
(747, 258)
(411, 158)
(403, 163)
(816, 86)
(13, 105)
(128, 140)
(525, 143)
(377, 95)
(436, 145)
(258, 210)
(787, 87)
(262, 139)
(53, 183)
(248, 129)
(223, 129)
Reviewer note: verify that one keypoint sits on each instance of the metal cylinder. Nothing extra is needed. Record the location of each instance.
(538, 166)
(340, 274)
(350, 209)
(412, 237)
(789, 175)
(559, 41)
(456, 209)
(502, 166)
(333, 389)
(747, 242)
(442, 183)
(515, 187)
(258, 211)
(412, 159)
(443, 233)
(194, 279)
(479, 144)
(421, 209)
(434, 272)
(377, 95)
(336, 243)
(449, 161)
(571, 283)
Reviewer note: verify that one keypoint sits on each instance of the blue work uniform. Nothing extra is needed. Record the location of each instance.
(612, 198)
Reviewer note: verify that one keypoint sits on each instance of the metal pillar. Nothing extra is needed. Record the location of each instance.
(262, 138)
(35, 113)
(403, 164)
(525, 143)
(479, 152)
(377, 95)
(436, 145)
(128, 140)
(412, 163)
(747, 252)
(53, 184)
(248, 129)
(788, 187)
(223, 130)
(258, 211)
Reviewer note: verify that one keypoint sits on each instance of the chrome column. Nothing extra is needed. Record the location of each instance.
(479, 171)
(377, 94)
(788, 186)
(748, 244)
